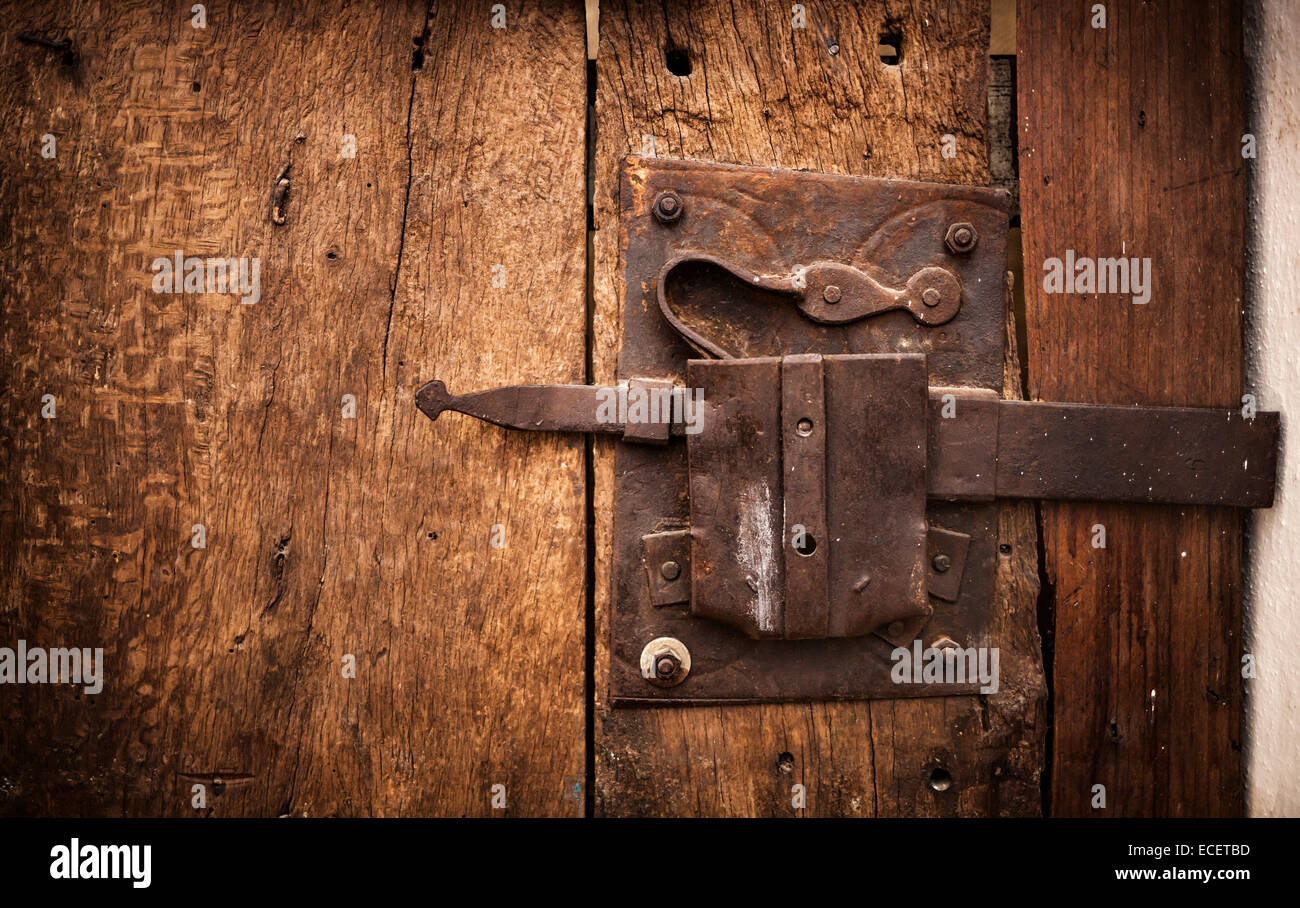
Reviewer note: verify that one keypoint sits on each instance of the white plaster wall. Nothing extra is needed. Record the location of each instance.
(1272, 590)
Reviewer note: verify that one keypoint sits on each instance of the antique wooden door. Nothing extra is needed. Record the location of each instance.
(314, 601)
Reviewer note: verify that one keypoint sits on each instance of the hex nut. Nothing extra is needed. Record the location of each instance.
(665, 662)
(667, 208)
(961, 238)
(941, 563)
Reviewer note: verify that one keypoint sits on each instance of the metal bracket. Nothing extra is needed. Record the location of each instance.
(821, 487)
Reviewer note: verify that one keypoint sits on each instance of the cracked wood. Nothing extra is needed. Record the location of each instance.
(1135, 149)
(762, 93)
(326, 536)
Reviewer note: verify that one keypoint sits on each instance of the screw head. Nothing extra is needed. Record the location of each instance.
(961, 238)
(667, 207)
(665, 662)
(832, 294)
(670, 570)
(941, 563)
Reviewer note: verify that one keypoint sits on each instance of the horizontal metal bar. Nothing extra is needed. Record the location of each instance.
(557, 408)
(1176, 455)
(982, 448)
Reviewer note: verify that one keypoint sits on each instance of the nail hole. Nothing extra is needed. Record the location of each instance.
(1005, 548)
(940, 779)
(433, 535)
(785, 761)
(806, 546)
(194, 86)
(890, 48)
(804, 427)
(677, 60)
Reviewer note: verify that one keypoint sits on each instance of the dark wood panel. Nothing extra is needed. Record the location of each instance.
(1130, 145)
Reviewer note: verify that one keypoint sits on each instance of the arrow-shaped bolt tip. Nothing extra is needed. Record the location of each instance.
(432, 398)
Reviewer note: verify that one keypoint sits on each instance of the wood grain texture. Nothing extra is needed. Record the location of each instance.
(325, 535)
(760, 92)
(1134, 148)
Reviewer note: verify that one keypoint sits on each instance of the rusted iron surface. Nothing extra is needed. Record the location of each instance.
(867, 239)
(828, 503)
(946, 557)
(668, 567)
(808, 519)
(979, 447)
(565, 408)
(828, 293)
(739, 222)
(1178, 455)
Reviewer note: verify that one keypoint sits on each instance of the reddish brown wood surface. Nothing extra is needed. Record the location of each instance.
(326, 535)
(762, 92)
(1130, 144)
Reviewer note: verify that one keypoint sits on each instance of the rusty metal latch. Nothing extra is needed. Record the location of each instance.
(828, 470)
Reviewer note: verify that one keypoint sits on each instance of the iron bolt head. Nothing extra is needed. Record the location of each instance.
(961, 238)
(931, 297)
(670, 570)
(941, 563)
(665, 662)
(831, 294)
(895, 628)
(667, 207)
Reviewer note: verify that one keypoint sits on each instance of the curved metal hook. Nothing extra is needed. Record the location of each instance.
(829, 293)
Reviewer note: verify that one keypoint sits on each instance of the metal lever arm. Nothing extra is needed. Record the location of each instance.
(829, 293)
(567, 408)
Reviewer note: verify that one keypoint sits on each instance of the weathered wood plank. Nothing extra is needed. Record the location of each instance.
(1134, 148)
(761, 92)
(326, 535)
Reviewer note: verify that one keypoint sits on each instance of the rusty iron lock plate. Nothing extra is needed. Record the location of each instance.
(771, 291)
(812, 435)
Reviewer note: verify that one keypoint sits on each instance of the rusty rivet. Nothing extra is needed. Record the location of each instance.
(895, 628)
(670, 570)
(667, 207)
(941, 563)
(961, 238)
(931, 297)
(831, 294)
(665, 662)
